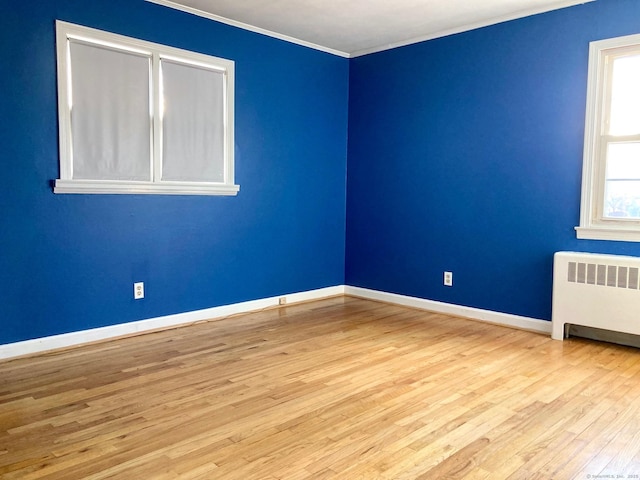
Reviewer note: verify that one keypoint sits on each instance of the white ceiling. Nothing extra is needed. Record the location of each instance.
(358, 27)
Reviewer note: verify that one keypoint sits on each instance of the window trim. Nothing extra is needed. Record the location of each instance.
(67, 184)
(592, 224)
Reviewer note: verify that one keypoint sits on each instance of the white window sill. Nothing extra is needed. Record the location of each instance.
(133, 187)
(620, 234)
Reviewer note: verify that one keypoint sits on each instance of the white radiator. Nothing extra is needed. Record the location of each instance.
(600, 291)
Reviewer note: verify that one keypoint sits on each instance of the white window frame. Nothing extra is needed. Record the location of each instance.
(593, 224)
(67, 184)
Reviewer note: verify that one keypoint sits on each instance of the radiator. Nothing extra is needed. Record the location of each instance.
(599, 291)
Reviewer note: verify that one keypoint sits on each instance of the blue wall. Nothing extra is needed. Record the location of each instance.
(465, 154)
(68, 262)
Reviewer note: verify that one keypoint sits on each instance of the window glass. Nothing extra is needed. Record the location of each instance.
(625, 96)
(622, 188)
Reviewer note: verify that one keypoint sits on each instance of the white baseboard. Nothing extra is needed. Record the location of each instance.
(517, 321)
(39, 345)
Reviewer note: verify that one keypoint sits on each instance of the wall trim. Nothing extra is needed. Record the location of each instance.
(469, 27)
(358, 53)
(65, 340)
(506, 319)
(251, 28)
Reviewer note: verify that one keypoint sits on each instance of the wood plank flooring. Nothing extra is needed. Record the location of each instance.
(341, 388)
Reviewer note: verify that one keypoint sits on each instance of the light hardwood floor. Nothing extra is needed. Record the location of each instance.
(339, 388)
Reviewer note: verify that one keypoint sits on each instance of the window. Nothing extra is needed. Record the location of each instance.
(610, 208)
(138, 117)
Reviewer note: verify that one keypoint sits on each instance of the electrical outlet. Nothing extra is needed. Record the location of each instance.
(282, 300)
(138, 290)
(448, 279)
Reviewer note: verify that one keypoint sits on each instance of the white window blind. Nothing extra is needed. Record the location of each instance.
(193, 123)
(138, 117)
(110, 121)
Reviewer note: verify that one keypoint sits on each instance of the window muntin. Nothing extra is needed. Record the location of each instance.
(138, 117)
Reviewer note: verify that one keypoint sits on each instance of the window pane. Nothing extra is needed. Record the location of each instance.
(622, 199)
(193, 123)
(622, 182)
(623, 161)
(110, 115)
(625, 96)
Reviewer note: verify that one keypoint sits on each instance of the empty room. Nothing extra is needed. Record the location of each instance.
(289, 240)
